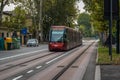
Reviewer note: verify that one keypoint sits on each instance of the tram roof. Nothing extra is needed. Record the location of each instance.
(63, 27)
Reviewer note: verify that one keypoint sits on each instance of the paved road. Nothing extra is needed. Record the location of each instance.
(90, 72)
(11, 55)
(8, 53)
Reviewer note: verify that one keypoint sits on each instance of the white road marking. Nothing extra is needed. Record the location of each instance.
(21, 54)
(56, 58)
(38, 67)
(16, 78)
(30, 71)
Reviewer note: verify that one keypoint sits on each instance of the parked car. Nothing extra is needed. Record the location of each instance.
(32, 42)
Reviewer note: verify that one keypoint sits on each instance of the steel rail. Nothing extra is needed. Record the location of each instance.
(27, 61)
(68, 66)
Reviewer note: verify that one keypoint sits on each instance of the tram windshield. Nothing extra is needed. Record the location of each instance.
(57, 35)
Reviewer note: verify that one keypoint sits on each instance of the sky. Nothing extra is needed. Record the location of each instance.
(81, 6)
(11, 7)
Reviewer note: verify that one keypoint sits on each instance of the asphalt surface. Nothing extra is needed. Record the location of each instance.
(7, 56)
(107, 72)
(24, 49)
(110, 72)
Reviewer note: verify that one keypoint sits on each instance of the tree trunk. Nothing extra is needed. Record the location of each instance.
(3, 3)
(1, 12)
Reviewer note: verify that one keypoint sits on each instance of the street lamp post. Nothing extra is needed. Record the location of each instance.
(40, 21)
(110, 31)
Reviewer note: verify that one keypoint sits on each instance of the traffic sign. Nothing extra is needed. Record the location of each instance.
(24, 31)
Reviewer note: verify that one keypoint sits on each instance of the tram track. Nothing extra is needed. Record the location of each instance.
(19, 65)
(77, 67)
(44, 64)
(69, 65)
(26, 60)
(61, 67)
(57, 61)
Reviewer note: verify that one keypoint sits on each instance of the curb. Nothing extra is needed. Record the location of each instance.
(97, 70)
(97, 73)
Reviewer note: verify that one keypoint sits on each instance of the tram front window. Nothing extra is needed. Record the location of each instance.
(57, 36)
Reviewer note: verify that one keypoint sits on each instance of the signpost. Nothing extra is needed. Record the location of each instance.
(24, 31)
(110, 31)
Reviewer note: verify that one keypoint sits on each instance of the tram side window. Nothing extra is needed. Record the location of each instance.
(67, 36)
(71, 36)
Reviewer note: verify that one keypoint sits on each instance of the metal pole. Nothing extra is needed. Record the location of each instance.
(110, 31)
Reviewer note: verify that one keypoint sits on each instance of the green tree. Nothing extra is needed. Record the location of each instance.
(64, 12)
(31, 9)
(54, 12)
(3, 3)
(58, 12)
(17, 19)
(19, 16)
(96, 9)
(84, 21)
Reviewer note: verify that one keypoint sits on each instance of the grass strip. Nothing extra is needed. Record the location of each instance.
(104, 57)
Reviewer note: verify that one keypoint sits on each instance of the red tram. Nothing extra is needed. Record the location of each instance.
(63, 38)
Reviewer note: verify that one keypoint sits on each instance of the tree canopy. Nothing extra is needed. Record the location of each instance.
(95, 8)
(54, 12)
(85, 25)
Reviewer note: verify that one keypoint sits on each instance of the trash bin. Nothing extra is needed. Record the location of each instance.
(14, 42)
(1, 44)
(8, 43)
(9, 46)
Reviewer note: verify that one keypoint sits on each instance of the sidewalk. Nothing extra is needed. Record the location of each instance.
(107, 72)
